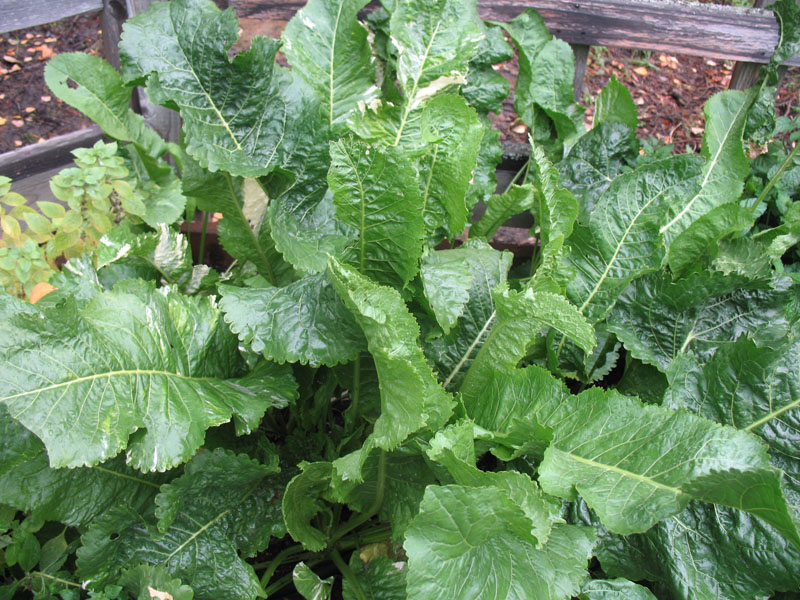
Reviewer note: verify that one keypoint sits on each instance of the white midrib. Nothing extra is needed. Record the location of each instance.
(123, 372)
(625, 473)
(469, 351)
(333, 55)
(710, 170)
(621, 243)
(772, 415)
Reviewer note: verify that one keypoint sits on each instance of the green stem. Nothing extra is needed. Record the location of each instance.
(373, 510)
(276, 562)
(202, 252)
(56, 579)
(348, 574)
(517, 174)
(371, 536)
(351, 418)
(784, 165)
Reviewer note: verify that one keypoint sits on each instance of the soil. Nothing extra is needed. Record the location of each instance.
(669, 90)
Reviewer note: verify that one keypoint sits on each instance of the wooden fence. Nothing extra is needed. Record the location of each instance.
(674, 26)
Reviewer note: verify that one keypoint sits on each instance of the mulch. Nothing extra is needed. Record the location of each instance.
(669, 90)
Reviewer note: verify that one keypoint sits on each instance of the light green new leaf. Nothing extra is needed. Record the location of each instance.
(636, 464)
(484, 177)
(375, 191)
(726, 164)
(519, 318)
(410, 394)
(223, 505)
(750, 388)
(614, 589)
(696, 246)
(529, 34)
(72, 496)
(156, 187)
(327, 45)
(476, 543)
(615, 103)
(446, 280)
(150, 365)
(486, 89)
(658, 319)
(706, 552)
(102, 96)
(435, 40)
(453, 132)
(453, 353)
(551, 88)
(303, 322)
(243, 115)
(309, 585)
(303, 500)
(147, 582)
(501, 207)
(622, 241)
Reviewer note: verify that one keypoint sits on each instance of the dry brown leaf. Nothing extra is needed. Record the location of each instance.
(51, 40)
(10, 59)
(159, 595)
(27, 59)
(47, 52)
(30, 109)
(3, 121)
(17, 123)
(17, 143)
(641, 71)
(46, 98)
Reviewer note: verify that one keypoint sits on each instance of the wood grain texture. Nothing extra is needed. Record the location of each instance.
(674, 26)
(18, 14)
(47, 155)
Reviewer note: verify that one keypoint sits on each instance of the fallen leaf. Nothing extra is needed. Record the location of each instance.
(50, 40)
(18, 143)
(520, 129)
(17, 123)
(28, 36)
(3, 121)
(30, 109)
(10, 59)
(15, 68)
(40, 290)
(697, 130)
(27, 59)
(641, 71)
(159, 595)
(46, 98)
(47, 52)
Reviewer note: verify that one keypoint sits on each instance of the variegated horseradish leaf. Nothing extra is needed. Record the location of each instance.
(138, 369)
(245, 115)
(328, 46)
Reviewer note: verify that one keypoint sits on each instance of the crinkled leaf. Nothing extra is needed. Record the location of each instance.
(222, 505)
(410, 394)
(705, 552)
(446, 280)
(156, 186)
(476, 543)
(453, 132)
(303, 501)
(327, 45)
(595, 160)
(375, 191)
(453, 354)
(486, 89)
(86, 379)
(658, 319)
(696, 246)
(636, 464)
(621, 240)
(243, 115)
(303, 322)
(726, 164)
(518, 319)
(501, 207)
(379, 578)
(101, 95)
(72, 496)
(529, 34)
(309, 585)
(484, 177)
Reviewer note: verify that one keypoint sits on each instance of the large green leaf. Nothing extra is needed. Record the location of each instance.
(380, 579)
(705, 552)
(614, 589)
(750, 388)
(501, 207)
(155, 366)
(726, 164)
(157, 188)
(303, 322)
(375, 191)
(615, 103)
(410, 394)
(529, 34)
(636, 464)
(328, 46)
(303, 501)
(147, 582)
(453, 353)
(621, 240)
(453, 132)
(518, 318)
(309, 585)
(436, 40)
(658, 319)
(484, 177)
(243, 115)
(101, 95)
(476, 543)
(446, 281)
(223, 505)
(72, 496)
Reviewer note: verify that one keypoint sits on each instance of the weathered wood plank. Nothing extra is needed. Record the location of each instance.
(18, 14)
(675, 26)
(44, 156)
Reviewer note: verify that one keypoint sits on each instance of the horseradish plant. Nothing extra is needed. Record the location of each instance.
(355, 408)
